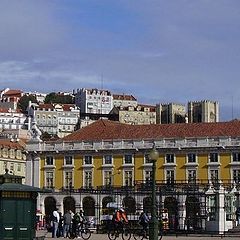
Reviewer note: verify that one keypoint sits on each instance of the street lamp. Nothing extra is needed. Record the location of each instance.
(153, 224)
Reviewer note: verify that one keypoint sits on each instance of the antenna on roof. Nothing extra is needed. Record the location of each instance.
(232, 108)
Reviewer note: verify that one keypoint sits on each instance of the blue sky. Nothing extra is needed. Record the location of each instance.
(158, 50)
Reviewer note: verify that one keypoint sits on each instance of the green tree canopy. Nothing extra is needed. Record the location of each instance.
(58, 98)
(24, 100)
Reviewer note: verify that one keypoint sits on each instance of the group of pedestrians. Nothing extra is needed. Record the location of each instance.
(61, 224)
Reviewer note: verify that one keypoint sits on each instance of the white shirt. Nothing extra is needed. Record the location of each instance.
(56, 214)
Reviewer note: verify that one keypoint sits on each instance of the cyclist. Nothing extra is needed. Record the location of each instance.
(75, 222)
(144, 221)
(119, 219)
(82, 219)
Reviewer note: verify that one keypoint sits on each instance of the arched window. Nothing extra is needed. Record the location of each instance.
(49, 205)
(69, 204)
(89, 206)
(129, 204)
(147, 204)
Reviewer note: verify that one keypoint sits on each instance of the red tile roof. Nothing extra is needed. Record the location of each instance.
(45, 106)
(7, 110)
(124, 97)
(67, 107)
(106, 130)
(7, 143)
(13, 92)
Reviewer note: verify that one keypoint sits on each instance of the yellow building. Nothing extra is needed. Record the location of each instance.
(12, 157)
(109, 162)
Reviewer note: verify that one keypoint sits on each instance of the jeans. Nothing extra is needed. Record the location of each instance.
(66, 228)
(55, 228)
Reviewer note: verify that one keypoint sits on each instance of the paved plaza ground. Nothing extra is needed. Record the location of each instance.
(96, 236)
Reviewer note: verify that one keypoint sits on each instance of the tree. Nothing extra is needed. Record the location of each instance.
(58, 98)
(24, 101)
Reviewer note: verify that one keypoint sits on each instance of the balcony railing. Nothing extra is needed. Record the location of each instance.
(220, 143)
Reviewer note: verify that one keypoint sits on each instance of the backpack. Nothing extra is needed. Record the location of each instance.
(76, 218)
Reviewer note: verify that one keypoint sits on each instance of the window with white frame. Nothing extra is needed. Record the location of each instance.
(212, 207)
(19, 167)
(147, 158)
(88, 179)
(191, 157)
(107, 178)
(170, 176)
(68, 160)
(128, 158)
(68, 179)
(49, 179)
(214, 175)
(148, 176)
(12, 166)
(128, 178)
(213, 157)
(88, 160)
(5, 165)
(107, 159)
(236, 175)
(169, 158)
(49, 160)
(236, 157)
(191, 175)
(230, 208)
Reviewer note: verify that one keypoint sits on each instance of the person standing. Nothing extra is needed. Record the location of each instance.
(56, 219)
(67, 220)
(60, 225)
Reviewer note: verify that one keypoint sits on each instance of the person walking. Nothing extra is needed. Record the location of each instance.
(56, 219)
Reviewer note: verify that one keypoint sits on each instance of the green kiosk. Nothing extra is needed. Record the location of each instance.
(17, 208)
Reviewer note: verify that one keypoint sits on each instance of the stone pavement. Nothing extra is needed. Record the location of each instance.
(96, 236)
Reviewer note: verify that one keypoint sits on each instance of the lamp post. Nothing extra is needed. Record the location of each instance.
(153, 224)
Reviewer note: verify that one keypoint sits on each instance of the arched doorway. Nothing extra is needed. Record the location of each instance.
(171, 204)
(147, 204)
(69, 204)
(89, 206)
(49, 206)
(129, 204)
(192, 213)
(106, 200)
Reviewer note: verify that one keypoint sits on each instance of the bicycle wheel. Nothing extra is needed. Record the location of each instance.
(137, 234)
(70, 235)
(85, 233)
(126, 234)
(112, 235)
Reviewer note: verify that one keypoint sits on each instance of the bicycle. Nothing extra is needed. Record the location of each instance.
(114, 233)
(139, 233)
(81, 231)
